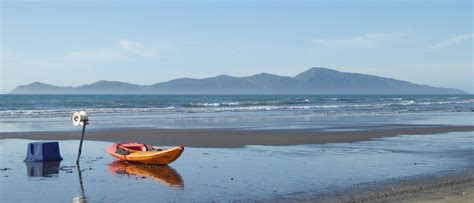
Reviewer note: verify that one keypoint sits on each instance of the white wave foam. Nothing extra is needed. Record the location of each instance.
(469, 101)
(405, 103)
(412, 105)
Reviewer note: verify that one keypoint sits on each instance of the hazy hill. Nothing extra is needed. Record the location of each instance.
(107, 87)
(328, 81)
(41, 88)
(312, 81)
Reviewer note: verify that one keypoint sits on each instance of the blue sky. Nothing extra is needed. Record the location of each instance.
(144, 42)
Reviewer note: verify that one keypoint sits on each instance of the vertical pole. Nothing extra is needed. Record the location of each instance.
(80, 144)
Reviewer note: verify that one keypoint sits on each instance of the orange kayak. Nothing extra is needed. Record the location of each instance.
(142, 153)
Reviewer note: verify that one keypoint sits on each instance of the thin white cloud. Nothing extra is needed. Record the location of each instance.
(123, 50)
(369, 40)
(137, 48)
(451, 41)
(99, 55)
(15, 65)
(6, 55)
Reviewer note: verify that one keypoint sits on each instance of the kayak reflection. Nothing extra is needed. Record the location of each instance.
(163, 174)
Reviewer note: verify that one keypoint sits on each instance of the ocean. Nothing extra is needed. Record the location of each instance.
(52, 112)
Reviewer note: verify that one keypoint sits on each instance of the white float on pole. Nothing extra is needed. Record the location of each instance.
(80, 118)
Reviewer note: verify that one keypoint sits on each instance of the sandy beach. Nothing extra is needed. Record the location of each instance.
(445, 187)
(457, 186)
(239, 138)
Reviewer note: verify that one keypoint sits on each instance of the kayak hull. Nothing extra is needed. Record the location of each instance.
(137, 152)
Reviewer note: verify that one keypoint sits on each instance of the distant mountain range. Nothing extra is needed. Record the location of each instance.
(312, 81)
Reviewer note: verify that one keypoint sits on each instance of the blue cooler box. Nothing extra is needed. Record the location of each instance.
(43, 151)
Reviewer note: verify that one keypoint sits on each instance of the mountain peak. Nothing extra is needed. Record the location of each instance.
(38, 84)
(108, 82)
(322, 69)
(263, 74)
(109, 85)
(312, 72)
(223, 76)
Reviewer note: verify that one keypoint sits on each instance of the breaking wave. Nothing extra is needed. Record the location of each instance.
(140, 106)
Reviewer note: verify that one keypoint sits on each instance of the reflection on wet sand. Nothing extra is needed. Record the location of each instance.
(42, 169)
(82, 197)
(163, 174)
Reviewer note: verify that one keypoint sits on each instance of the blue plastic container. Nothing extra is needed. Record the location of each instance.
(43, 151)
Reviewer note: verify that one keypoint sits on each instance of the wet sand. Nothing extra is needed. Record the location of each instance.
(444, 187)
(443, 191)
(231, 138)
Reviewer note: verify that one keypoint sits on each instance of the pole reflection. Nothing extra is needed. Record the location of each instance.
(82, 197)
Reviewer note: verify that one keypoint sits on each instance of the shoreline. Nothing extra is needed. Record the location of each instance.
(234, 138)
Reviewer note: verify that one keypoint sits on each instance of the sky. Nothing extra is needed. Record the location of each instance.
(70, 43)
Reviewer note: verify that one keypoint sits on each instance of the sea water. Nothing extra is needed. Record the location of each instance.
(52, 112)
